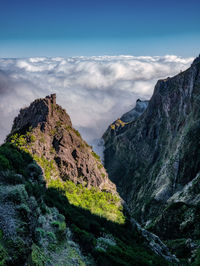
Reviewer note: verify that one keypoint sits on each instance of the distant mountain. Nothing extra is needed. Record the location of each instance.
(154, 159)
(134, 113)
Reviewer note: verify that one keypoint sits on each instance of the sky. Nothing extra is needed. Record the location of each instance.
(85, 27)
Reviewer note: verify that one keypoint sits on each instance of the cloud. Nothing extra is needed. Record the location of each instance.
(94, 90)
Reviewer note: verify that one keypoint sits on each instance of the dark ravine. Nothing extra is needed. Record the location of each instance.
(57, 204)
(155, 162)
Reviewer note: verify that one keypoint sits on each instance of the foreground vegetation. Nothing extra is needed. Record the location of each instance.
(98, 202)
(42, 230)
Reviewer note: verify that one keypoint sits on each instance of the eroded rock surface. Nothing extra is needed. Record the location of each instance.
(155, 161)
(55, 139)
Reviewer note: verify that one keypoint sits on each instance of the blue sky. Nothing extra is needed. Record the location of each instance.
(78, 27)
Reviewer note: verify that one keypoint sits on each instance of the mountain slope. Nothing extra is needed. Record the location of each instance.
(45, 130)
(155, 159)
(57, 205)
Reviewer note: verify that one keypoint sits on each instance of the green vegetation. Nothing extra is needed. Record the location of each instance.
(96, 156)
(12, 158)
(179, 247)
(88, 229)
(100, 203)
(3, 252)
(76, 132)
(197, 259)
(38, 258)
(117, 123)
(69, 128)
(23, 142)
(48, 167)
(60, 229)
(100, 166)
(58, 123)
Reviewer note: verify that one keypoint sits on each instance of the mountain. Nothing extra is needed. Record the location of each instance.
(57, 204)
(58, 142)
(154, 159)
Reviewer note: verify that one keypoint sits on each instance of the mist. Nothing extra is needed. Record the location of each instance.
(94, 90)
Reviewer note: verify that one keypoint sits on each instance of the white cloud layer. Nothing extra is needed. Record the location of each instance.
(94, 90)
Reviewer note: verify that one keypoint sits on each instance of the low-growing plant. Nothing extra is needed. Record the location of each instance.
(97, 157)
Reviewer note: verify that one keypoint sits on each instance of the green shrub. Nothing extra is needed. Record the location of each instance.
(86, 239)
(38, 258)
(100, 203)
(4, 163)
(18, 250)
(76, 132)
(60, 229)
(48, 167)
(3, 255)
(96, 156)
(18, 159)
(197, 258)
(51, 236)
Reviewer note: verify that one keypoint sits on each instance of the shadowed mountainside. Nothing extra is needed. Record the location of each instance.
(155, 161)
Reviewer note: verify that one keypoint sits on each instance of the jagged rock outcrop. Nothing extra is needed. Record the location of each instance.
(54, 138)
(134, 113)
(155, 161)
(117, 126)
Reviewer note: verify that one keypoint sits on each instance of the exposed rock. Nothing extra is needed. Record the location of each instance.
(134, 113)
(55, 139)
(155, 243)
(154, 160)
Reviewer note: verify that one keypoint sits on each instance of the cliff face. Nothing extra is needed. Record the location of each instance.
(155, 161)
(54, 138)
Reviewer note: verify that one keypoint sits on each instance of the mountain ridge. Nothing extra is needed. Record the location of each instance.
(154, 158)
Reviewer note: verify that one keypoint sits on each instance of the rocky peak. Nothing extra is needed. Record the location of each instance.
(46, 131)
(42, 112)
(134, 113)
(121, 124)
(196, 60)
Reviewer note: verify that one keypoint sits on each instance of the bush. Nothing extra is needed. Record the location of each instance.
(4, 163)
(3, 255)
(197, 258)
(10, 177)
(84, 238)
(60, 229)
(38, 258)
(96, 156)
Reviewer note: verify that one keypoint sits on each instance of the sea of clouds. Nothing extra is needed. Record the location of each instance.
(94, 90)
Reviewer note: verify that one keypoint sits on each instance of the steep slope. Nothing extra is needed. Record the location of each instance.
(57, 205)
(31, 233)
(45, 130)
(60, 142)
(155, 159)
(134, 113)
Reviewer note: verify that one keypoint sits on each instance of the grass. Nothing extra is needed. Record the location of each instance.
(97, 202)
(97, 157)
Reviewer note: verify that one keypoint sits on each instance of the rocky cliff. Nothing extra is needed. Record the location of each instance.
(54, 138)
(155, 162)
